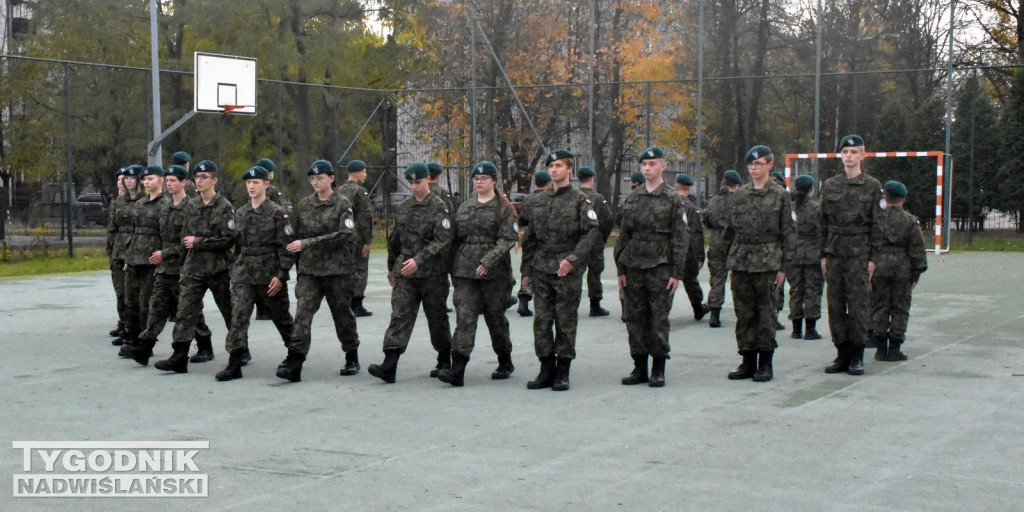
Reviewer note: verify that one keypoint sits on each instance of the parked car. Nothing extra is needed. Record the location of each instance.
(517, 198)
(396, 198)
(90, 209)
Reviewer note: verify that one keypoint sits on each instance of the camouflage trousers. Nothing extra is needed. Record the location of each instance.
(243, 298)
(475, 297)
(138, 287)
(690, 283)
(752, 297)
(647, 304)
(805, 286)
(310, 292)
(360, 276)
(719, 276)
(848, 300)
(595, 265)
(190, 303)
(524, 291)
(556, 304)
(406, 297)
(163, 303)
(117, 277)
(890, 306)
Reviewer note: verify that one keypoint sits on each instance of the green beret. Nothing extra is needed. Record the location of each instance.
(779, 177)
(119, 172)
(895, 189)
(181, 158)
(256, 172)
(435, 169)
(355, 166)
(206, 166)
(320, 167)
(133, 171)
(685, 180)
(850, 140)
(558, 154)
(267, 164)
(541, 178)
(154, 170)
(483, 169)
(416, 171)
(732, 177)
(652, 153)
(757, 152)
(178, 172)
(586, 172)
(804, 182)
(637, 177)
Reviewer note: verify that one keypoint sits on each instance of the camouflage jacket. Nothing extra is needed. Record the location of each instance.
(760, 229)
(171, 248)
(605, 218)
(422, 232)
(696, 230)
(327, 230)
(480, 238)
(849, 211)
(212, 225)
(119, 227)
(653, 231)
(716, 219)
(275, 195)
(561, 225)
(146, 214)
(805, 250)
(261, 235)
(359, 198)
(902, 254)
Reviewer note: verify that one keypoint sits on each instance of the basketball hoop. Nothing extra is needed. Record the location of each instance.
(229, 108)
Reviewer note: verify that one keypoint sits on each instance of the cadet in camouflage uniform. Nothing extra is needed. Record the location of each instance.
(650, 254)
(357, 195)
(434, 172)
(115, 256)
(485, 231)
(780, 296)
(562, 231)
(606, 221)
(761, 233)
(145, 240)
(635, 180)
(417, 270)
(326, 240)
(901, 261)
(695, 254)
(850, 241)
(716, 218)
(273, 193)
(119, 235)
(184, 159)
(804, 273)
(164, 299)
(541, 180)
(260, 270)
(208, 237)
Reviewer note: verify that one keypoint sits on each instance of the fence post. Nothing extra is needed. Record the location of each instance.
(69, 210)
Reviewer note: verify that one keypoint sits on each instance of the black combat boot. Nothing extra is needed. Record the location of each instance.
(798, 331)
(386, 370)
(116, 333)
(204, 350)
(700, 311)
(505, 368)
(358, 309)
(561, 381)
(842, 360)
(596, 309)
(119, 340)
(810, 333)
(291, 368)
(351, 363)
(127, 346)
(444, 362)
(715, 320)
(524, 306)
(456, 374)
(512, 301)
(764, 366)
(747, 368)
(871, 343)
(178, 362)
(234, 368)
(895, 355)
(657, 372)
(546, 376)
(856, 360)
(246, 357)
(142, 351)
(881, 343)
(639, 373)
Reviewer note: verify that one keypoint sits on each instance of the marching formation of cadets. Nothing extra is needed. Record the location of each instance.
(172, 237)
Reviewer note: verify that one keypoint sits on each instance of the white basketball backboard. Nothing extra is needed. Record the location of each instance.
(224, 80)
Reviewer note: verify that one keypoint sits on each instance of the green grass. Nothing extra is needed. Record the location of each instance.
(991, 240)
(18, 263)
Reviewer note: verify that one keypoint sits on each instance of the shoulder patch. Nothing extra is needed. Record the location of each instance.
(793, 216)
(288, 230)
(350, 210)
(350, 224)
(881, 204)
(231, 224)
(588, 201)
(686, 219)
(590, 214)
(445, 223)
(515, 226)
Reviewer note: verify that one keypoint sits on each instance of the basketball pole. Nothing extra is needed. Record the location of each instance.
(154, 153)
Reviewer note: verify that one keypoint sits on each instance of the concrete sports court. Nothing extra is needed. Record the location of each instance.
(941, 431)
